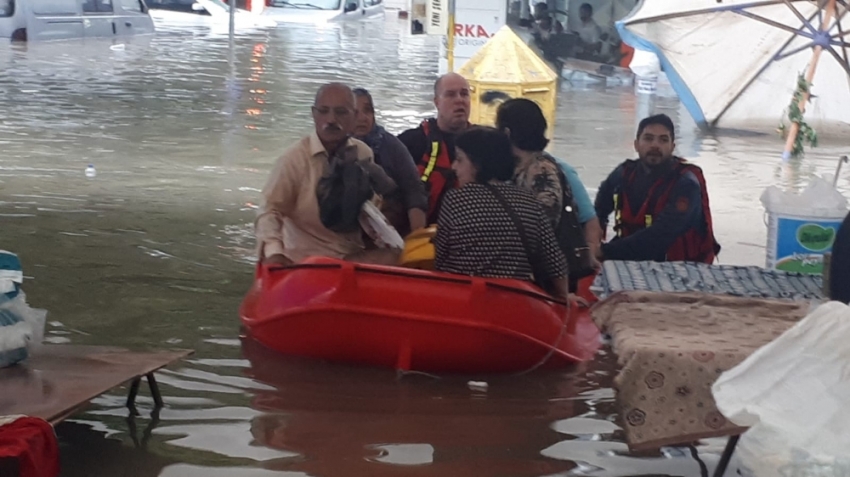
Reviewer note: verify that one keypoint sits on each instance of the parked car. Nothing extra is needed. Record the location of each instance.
(211, 13)
(39, 20)
(322, 11)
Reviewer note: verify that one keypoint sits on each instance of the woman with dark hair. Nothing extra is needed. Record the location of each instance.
(548, 178)
(405, 209)
(489, 227)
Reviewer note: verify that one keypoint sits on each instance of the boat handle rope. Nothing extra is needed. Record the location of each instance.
(554, 346)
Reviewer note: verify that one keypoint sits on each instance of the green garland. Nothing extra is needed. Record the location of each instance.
(805, 132)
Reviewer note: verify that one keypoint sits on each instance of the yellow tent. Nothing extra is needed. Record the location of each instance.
(505, 67)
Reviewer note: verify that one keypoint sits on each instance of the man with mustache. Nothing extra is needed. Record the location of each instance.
(659, 201)
(293, 221)
(432, 143)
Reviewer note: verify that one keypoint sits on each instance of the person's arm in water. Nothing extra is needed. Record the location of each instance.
(682, 211)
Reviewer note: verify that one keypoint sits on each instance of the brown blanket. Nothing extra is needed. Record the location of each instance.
(672, 347)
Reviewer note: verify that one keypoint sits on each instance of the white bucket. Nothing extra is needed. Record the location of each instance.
(797, 243)
(801, 228)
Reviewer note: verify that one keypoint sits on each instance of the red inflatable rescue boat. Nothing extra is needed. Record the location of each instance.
(413, 319)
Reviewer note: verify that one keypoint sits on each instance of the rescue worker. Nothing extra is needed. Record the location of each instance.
(660, 203)
(432, 143)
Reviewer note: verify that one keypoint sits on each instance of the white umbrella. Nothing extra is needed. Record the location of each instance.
(735, 63)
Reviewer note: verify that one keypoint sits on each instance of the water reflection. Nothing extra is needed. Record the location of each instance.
(367, 430)
(404, 454)
(184, 470)
(157, 250)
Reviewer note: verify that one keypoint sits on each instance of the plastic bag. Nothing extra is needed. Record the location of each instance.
(21, 330)
(818, 199)
(645, 64)
(379, 228)
(792, 394)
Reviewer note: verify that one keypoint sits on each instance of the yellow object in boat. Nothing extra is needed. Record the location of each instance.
(419, 250)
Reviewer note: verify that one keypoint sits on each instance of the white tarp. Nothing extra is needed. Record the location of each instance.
(723, 63)
(793, 394)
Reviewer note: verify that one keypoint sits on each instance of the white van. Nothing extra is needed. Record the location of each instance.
(322, 11)
(208, 13)
(40, 20)
(214, 14)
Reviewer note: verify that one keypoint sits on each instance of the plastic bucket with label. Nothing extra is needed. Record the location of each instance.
(797, 243)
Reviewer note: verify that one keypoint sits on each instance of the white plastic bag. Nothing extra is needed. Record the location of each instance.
(818, 199)
(36, 318)
(21, 327)
(28, 331)
(645, 64)
(384, 233)
(793, 393)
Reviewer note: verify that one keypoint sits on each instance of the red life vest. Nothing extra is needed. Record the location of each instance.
(694, 245)
(435, 169)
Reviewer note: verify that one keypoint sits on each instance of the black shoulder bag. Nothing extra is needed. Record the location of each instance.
(570, 233)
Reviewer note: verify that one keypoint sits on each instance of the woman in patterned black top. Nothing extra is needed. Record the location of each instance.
(490, 228)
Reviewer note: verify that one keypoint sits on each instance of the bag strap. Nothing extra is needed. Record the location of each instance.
(516, 220)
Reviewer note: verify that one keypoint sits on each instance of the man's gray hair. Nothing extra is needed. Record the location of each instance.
(334, 85)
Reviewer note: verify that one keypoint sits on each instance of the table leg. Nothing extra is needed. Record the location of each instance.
(157, 398)
(131, 397)
(727, 456)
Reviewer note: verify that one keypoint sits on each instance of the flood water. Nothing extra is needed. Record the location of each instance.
(156, 251)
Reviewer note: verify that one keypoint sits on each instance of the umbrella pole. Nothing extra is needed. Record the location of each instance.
(810, 74)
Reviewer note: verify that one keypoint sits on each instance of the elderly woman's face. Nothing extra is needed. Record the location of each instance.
(365, 117)
(464, 169)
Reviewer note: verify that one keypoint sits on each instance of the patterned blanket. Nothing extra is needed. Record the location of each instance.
(671, 347)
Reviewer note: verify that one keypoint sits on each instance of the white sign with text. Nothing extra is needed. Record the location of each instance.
(475, 22)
